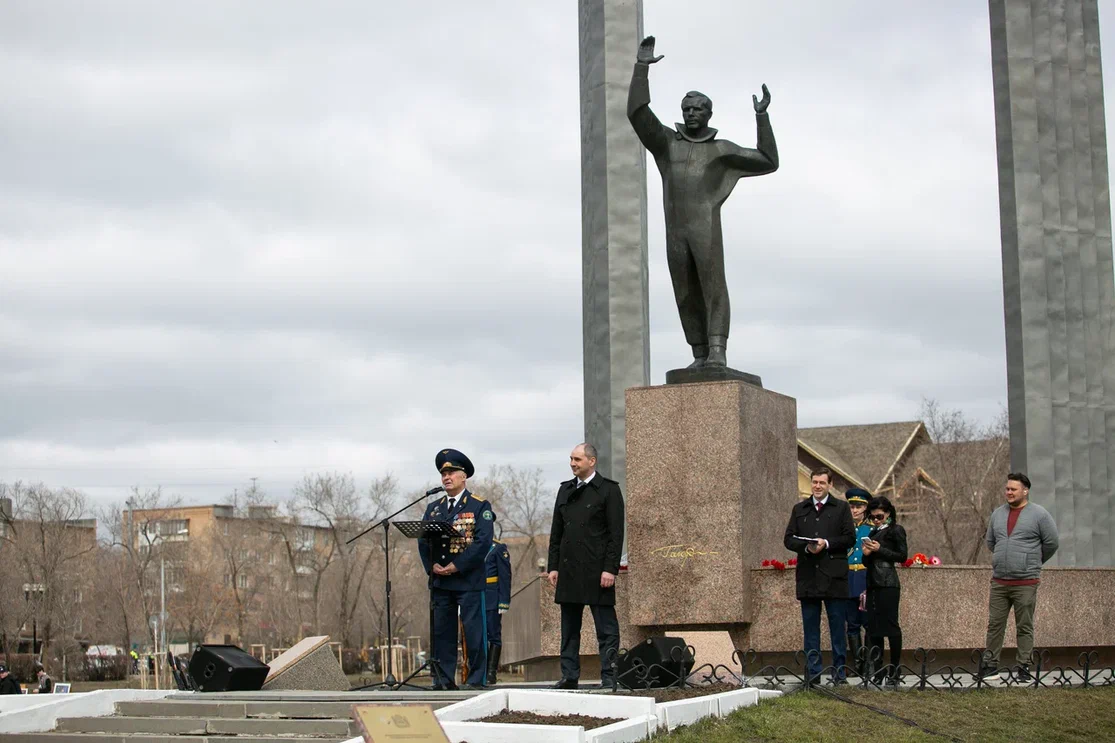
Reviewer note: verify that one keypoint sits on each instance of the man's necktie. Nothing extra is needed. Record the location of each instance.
(820, 506)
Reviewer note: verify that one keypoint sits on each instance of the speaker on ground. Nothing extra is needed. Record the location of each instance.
(656, 662)
(226, 668)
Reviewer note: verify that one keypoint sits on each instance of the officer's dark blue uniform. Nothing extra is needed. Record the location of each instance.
(464, 588)
(497, 598)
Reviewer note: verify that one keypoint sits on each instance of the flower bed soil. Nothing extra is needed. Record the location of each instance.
(533, 718)
(673, 693)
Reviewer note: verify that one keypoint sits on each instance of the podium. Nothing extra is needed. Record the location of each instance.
(428, 530)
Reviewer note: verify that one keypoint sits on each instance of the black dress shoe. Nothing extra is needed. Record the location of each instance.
(476, 687)
(566, 684)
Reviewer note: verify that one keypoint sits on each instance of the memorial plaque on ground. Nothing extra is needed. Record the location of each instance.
(391, 723)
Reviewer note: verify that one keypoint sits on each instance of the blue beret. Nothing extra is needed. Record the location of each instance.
(451, 459)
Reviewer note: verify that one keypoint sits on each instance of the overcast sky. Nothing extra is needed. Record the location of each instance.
(262, 239)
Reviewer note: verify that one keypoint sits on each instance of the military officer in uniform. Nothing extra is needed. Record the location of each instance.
(497, 600)
(456, 569)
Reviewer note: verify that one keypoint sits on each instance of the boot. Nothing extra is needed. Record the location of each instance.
(493, 662)
(855, 644)
(700, 355)
(717, 351)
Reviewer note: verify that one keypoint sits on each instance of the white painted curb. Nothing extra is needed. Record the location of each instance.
(592, 705)
(487, 732)
(479, 706)
(687, 711)
(628, 731)
(733, 700)
(42, 717)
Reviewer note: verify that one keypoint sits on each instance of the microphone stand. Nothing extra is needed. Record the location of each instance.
(389, 680)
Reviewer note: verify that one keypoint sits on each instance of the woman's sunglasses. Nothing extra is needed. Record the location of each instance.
(878, 517)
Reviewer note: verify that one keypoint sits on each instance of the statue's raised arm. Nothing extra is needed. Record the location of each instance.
(651, 132)
(764, 158)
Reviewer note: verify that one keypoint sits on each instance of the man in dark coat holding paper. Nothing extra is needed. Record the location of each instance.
(821, 532)
(456, 569)
(585, 542)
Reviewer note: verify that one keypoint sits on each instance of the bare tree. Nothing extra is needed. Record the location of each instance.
(359, 563)
(114, 612)
(242, 544)
(199, 602)
(957, 480)
(310, 544)
(523, 507)
(410, 593)
(53, 545)
(136, 533)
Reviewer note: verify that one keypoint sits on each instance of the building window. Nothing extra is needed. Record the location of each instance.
(242, 581)
(173, 527)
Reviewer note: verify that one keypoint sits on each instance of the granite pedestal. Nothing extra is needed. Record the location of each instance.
(711, 476)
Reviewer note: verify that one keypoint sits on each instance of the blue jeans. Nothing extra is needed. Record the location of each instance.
(811, 626)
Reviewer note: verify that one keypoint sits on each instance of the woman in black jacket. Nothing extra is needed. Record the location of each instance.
(885, 546)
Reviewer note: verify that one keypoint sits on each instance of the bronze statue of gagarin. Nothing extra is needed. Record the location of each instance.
(699, 172)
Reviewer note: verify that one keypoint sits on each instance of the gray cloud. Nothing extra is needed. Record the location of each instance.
(262, 239)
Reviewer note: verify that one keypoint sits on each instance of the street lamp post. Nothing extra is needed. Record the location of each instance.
(28, 589)
(162, 601)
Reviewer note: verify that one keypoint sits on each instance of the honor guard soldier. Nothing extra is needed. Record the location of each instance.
(497, 600)
(456, 569)
(857, 577)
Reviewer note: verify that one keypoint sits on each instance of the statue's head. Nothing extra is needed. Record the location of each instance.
(696, 110)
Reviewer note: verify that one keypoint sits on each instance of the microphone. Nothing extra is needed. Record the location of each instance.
(434, 491)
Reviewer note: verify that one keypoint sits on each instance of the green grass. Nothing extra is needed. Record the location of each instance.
(987, 715)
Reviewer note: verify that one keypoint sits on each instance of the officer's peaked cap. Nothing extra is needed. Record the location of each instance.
(451, 459)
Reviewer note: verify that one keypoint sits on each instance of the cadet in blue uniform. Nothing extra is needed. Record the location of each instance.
(497, 600)
(857, 577)
(456, 569)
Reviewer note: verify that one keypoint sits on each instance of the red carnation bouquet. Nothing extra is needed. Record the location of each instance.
(920, 560)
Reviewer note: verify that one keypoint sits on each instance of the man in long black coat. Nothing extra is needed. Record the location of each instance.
(825, 522)
(585, 542)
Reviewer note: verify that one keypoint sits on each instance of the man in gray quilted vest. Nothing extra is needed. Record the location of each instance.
(1022, 537)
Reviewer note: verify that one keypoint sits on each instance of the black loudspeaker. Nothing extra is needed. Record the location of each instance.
(226, 668)
(657, 662)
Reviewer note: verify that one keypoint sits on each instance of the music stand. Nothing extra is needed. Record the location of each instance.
(428, 530)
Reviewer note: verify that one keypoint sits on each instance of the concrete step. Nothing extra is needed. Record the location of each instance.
(234, 710)
(351, 697)
(127, 737)
(209, 726)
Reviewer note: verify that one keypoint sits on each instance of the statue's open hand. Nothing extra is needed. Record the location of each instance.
(646, 51)
(761, 106)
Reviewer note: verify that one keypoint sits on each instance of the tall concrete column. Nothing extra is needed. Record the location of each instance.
(613, 227)
(1058, 282)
